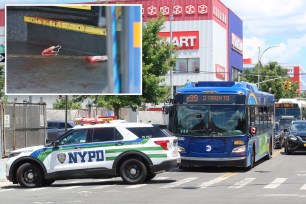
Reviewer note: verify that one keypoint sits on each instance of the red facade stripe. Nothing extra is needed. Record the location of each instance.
(2, 17)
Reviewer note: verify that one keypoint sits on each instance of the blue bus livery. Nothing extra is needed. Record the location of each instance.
(222, 124)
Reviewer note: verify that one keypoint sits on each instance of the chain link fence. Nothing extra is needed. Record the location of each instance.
(22, 125)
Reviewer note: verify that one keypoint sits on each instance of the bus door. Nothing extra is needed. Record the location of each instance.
(254, 122)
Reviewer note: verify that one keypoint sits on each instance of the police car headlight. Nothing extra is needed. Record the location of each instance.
(239, 149)
(292, 137)
(14, 154)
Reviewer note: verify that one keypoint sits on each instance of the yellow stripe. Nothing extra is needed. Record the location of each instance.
(66, 25)
(137, 34)
(83, 7)
(228, 175)
(276, 153)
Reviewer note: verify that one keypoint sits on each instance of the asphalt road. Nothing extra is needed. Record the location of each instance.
(28, 72)
(281, 179)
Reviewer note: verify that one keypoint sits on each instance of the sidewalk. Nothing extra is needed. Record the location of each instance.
(3, 180)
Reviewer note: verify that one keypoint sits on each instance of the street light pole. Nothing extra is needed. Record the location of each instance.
(171, 70)
(259, 61)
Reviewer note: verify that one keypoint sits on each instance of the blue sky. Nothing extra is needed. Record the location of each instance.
(273, 22)
(265, 23)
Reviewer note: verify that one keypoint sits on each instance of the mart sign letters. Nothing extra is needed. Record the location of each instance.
(185, 40)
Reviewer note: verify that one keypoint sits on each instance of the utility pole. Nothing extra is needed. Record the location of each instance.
(259, 62)
(171, 70)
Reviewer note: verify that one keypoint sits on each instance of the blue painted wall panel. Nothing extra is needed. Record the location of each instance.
(235, 26)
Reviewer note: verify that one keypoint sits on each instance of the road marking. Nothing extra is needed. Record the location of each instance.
(72, 182)
(217, 180)
(4, 190)
(276, 153)
(69, 187)
(303, 187)
(36, 189)
(177, 183)
(104, 186)
(279, 195)
(242, 183)
(137, 186)
(161, 178)
(275, 183)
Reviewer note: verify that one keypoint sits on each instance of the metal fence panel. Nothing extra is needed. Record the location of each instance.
(22, 125)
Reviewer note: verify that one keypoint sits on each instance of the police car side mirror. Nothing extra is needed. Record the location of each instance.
(56, 143)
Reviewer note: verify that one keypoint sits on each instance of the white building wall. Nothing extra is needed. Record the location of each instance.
(219, 41)
(212, 49)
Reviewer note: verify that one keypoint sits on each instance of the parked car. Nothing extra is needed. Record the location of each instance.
(295, 138)
(134, 151)
(56, 128)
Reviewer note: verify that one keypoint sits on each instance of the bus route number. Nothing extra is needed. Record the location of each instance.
(192, 98)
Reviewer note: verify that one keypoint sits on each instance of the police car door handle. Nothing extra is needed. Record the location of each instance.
(119, 143)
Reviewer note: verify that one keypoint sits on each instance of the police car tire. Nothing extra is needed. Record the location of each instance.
(26, 169)
(127, 173)
(47, 182)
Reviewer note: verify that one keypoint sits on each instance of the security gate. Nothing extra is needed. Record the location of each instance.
(22, 125)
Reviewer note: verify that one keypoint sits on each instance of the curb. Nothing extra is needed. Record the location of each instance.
(5, 183)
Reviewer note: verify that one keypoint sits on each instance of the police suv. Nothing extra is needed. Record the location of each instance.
(134, 151)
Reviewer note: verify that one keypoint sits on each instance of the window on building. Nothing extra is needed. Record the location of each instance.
(235, 73)
(187, 65)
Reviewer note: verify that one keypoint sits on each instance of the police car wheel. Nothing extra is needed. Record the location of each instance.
(29, 175)
(133, 171)
(47, 182)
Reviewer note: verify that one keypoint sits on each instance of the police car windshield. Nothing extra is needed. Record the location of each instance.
(149, 132)
(63, 135)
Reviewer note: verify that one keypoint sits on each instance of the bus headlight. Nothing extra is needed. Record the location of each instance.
(239, 149)
(180, 149)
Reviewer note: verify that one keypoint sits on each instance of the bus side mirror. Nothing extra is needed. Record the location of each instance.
(252, 130)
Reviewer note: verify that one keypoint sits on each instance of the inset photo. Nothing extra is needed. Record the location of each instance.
(73, 49)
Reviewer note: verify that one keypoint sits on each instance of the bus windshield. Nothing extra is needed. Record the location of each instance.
(209, 120)
(296, 112)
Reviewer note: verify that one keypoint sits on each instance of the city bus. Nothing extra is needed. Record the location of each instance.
(222, 124)
(290, 107)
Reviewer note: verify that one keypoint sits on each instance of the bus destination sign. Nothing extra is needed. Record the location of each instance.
(210, 99)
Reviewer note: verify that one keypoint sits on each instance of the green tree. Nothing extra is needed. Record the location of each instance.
(303, 94)
(158, 57)
(71, 104)
(272, 78)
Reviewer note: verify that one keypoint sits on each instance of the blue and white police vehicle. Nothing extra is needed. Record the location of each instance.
(134, 151)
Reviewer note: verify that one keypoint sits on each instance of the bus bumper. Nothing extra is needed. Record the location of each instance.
(196, 161)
